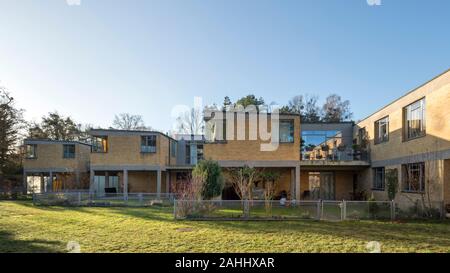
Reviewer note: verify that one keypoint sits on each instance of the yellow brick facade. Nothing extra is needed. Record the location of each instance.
(390, 154)
(250, 150)
(125, 149)
(50, 156)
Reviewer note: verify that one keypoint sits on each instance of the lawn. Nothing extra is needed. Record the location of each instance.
(28, 228)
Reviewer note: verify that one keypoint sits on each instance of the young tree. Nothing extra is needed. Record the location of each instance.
(214, 183)
(270, 180)
(11, 122)
(126, 121)
(336, 110)
(191, 122)
(57, 127)
(242, 179)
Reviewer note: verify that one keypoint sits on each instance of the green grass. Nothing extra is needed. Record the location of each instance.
(28, 228)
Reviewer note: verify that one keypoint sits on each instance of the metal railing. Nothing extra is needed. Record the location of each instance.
(336, 154)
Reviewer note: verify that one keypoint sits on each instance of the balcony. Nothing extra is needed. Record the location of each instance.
(335, 154)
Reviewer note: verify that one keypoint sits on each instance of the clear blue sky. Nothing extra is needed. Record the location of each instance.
(144, 57)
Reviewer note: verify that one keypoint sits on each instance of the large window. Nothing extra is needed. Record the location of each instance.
(414, 120)
(148, 144)
(378, 178)
(99, 144)
(31, 151)
(199, 152)
(287, 131)
(68, 151)
(413, 176)
(173, 148)
(382, 130)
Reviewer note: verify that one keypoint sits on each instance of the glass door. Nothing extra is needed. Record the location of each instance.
(327, 186)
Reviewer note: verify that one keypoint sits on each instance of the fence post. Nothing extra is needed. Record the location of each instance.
(344, 210)
(79, 198)
(319, 209)
(392, 210)
(174, 208)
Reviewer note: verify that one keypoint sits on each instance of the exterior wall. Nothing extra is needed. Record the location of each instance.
(437, 97)
(143, 181)
(434, 174)
(343, 183)
(251, 149)
(50, 156)
(447, 181)
(431, 149)
(126, 150)
(283, 183)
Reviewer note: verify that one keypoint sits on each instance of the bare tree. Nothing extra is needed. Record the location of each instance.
(306, 106)
(126, 121)
(270, 180)
(312, 111)
(191, 122)
(336, 110)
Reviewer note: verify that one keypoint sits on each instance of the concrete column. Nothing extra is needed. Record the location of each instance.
(292, 183)
(106, 180)
(297, 183)
(25, 184)
(125, 184)
(167, 181)
(77, 177)
(91, 181)
(50, 182)
(43, 188)
(158, 183)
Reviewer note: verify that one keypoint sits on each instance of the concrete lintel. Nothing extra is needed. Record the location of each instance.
(128, 168)
(261, 164)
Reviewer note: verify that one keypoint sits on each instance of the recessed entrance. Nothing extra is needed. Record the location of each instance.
(322, 185)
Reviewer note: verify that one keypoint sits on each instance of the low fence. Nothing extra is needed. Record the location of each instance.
(86, 198)
(250, 209)
(296, 210)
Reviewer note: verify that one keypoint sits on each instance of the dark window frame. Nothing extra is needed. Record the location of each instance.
(408, 170)
(379, 185)
(406, 127)
(96, 148)
(377, 127)
(69, 154)
(292, 130)
(173, 148)
(34, 149)
(148, 144)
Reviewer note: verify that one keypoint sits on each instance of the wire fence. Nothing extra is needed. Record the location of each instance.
(303, 210)
(250, 209)
(86, 198)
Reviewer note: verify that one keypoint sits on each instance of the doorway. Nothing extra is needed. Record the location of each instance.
(322, 185)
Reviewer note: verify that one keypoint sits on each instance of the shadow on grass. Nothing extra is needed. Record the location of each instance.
(409, 233)
(159, 213)
(8, 244)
